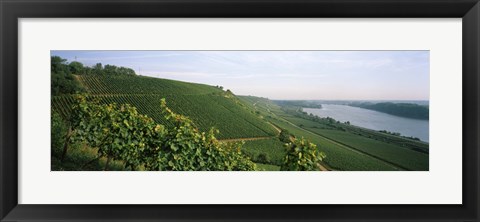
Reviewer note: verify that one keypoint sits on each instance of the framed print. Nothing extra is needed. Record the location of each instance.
(224, 110)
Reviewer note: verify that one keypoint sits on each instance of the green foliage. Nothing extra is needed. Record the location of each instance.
(114, 70)
(302, 155)
(58, 133)
(268, 151)
(118, 131)
(59, 65)
(76, 68)
(62, 80)
(263, 158)
(285, 136)
(121, 133)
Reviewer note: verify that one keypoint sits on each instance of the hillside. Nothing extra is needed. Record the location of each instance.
(257, 121)
(408, 110)
(208, 106)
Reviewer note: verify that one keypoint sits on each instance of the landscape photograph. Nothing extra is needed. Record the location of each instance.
(154, 110)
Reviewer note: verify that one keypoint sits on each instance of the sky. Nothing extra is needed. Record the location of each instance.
(307, 75)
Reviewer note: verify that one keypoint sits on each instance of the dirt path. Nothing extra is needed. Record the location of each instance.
(276, 128)
(322, 168)
(77, 77)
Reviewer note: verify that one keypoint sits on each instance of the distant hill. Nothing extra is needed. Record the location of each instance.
(208, 106)
(408, 110)
(299, 103)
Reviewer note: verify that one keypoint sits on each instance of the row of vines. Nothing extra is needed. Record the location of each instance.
(205, 110)
(110, 84)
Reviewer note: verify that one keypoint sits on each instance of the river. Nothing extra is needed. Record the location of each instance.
(374, 120)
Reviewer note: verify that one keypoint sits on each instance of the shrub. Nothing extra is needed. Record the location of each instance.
(58, 134)
(302, 155)
(263, 158)
(285, 136)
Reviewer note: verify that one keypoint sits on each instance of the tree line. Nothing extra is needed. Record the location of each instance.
(409, 110)
(62, 74)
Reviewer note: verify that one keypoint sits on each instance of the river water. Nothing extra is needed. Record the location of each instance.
(374, 120)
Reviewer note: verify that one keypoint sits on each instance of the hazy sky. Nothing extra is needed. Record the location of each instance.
(363, 75)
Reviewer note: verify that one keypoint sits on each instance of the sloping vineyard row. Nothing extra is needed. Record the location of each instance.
(338, 157)
(406, 158)
(248, 116)
(201, 109)
(142, 85)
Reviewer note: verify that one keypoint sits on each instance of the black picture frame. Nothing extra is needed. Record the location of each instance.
(11, 11)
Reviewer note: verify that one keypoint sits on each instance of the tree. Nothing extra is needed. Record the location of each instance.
(97, 69)
(58, 65)
(98, 66)
(110, 70)
(62, 80)
(285, 136)
(125, 71)
(76, 68)
(302, 155)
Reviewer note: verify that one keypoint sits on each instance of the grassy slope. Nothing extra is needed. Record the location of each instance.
(206, 105)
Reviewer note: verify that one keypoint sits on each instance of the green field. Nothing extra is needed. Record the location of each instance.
(271, 149)
(405, 158)
(338, 157)
(393, 153)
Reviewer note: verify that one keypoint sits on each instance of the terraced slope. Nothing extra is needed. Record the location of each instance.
(207, 106)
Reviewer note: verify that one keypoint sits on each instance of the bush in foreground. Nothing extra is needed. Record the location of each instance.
(302, 155)
(119, 132)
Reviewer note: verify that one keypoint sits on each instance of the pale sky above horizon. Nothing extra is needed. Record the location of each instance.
(309, 75)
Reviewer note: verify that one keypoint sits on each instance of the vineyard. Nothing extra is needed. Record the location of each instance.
(108, 118)
(405, 158)
(109, 84)
(258, 121)
(338, 156)
(267, 151)
(207, 106)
